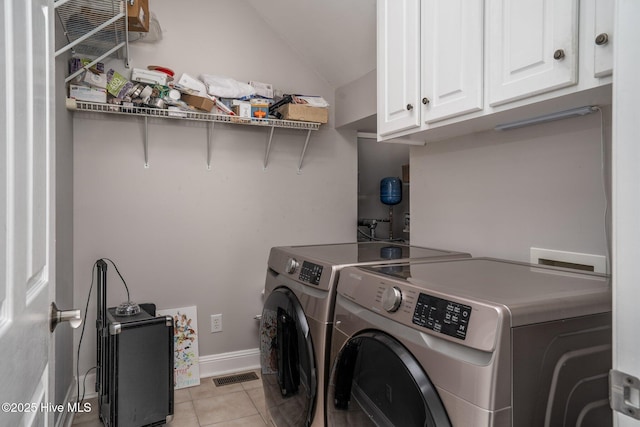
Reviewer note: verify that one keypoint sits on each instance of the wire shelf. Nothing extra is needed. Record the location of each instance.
(94, 29)
(96, 107)
(210, 119)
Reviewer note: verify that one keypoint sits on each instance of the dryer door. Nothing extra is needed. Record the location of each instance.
(376, 381)
(287, 360)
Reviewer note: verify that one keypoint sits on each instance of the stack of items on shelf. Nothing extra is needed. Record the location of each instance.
(154, 87)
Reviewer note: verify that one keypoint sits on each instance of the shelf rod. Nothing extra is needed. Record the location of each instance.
(304, 150)
(209, 137)
(58, 3)
(89, 34)
(266, 154)
(146, 142)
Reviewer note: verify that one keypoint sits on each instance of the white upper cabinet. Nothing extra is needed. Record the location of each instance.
(430, 64)
(449, 68)
(452, 40)
(532, 47)
(602, 38)
(398, 65)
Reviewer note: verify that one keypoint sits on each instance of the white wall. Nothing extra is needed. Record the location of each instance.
(356, 103)
(180, 234)
(500, 193)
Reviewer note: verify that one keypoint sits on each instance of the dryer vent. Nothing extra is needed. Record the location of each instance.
(577, 261)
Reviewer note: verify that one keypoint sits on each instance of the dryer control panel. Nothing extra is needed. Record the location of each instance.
(310, 273)
(439, 315)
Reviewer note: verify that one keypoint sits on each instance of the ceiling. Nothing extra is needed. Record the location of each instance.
(337, 38)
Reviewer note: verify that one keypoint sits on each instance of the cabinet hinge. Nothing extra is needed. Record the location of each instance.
(624, 393)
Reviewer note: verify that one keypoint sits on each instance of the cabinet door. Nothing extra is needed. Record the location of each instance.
(602, 38)
(452, 61)
(398, 65)
(532, 47)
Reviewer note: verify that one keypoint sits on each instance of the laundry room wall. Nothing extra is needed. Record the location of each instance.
(499, 193)
(182, 235)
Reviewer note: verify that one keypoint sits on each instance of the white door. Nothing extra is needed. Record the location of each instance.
(398, 65)
(532, 47)
(27, 240)
(452, 62)
(626, 212)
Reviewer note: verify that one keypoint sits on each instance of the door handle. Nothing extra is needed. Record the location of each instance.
(57, 316)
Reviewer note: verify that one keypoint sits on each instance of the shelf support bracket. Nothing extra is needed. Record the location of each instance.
(209, 138)
(304, 150)
(266, 154)
(146, 142)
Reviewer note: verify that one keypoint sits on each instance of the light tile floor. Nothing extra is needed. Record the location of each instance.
(206, 405)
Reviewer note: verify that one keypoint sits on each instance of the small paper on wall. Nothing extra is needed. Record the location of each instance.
(185, 341)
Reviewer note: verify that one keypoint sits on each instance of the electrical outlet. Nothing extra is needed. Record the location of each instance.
(216, 323)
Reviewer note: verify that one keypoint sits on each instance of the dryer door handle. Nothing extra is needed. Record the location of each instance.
(288, 374)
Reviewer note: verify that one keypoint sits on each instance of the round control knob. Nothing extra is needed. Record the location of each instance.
(391, 299)
(602, 39)
(292, 266)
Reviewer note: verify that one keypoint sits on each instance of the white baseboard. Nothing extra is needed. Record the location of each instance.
(210, 366)
(88, 381)
(232, 362)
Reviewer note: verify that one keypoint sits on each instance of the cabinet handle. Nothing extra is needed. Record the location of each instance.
(602, 39)
(558, 54)
(425, 100)
(409, 107)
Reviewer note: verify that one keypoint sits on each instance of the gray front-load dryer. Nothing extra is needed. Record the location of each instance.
(470, 343)
(295, 329)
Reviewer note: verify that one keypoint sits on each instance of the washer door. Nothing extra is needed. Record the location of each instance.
(376, 381)
(287, 360)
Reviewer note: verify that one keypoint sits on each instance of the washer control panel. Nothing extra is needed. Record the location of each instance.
(439, 315)
(310, 273)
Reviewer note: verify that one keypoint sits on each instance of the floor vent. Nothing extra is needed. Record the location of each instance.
(234, 379)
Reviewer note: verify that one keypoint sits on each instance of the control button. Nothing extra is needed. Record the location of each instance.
(391, 299)
(292, 266)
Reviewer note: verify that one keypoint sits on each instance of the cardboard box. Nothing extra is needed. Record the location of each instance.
(304, 113)
(95, 80)
(241, 109)
(259, 108)
(149, 76)
(405, 174)
(89, 94)
(117, 85)
(199, 102)
(138, 15)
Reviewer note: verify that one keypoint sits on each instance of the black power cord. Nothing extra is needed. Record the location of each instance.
(84, 324)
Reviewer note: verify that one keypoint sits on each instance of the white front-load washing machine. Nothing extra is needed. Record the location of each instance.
(470, 343)
(296, 323)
